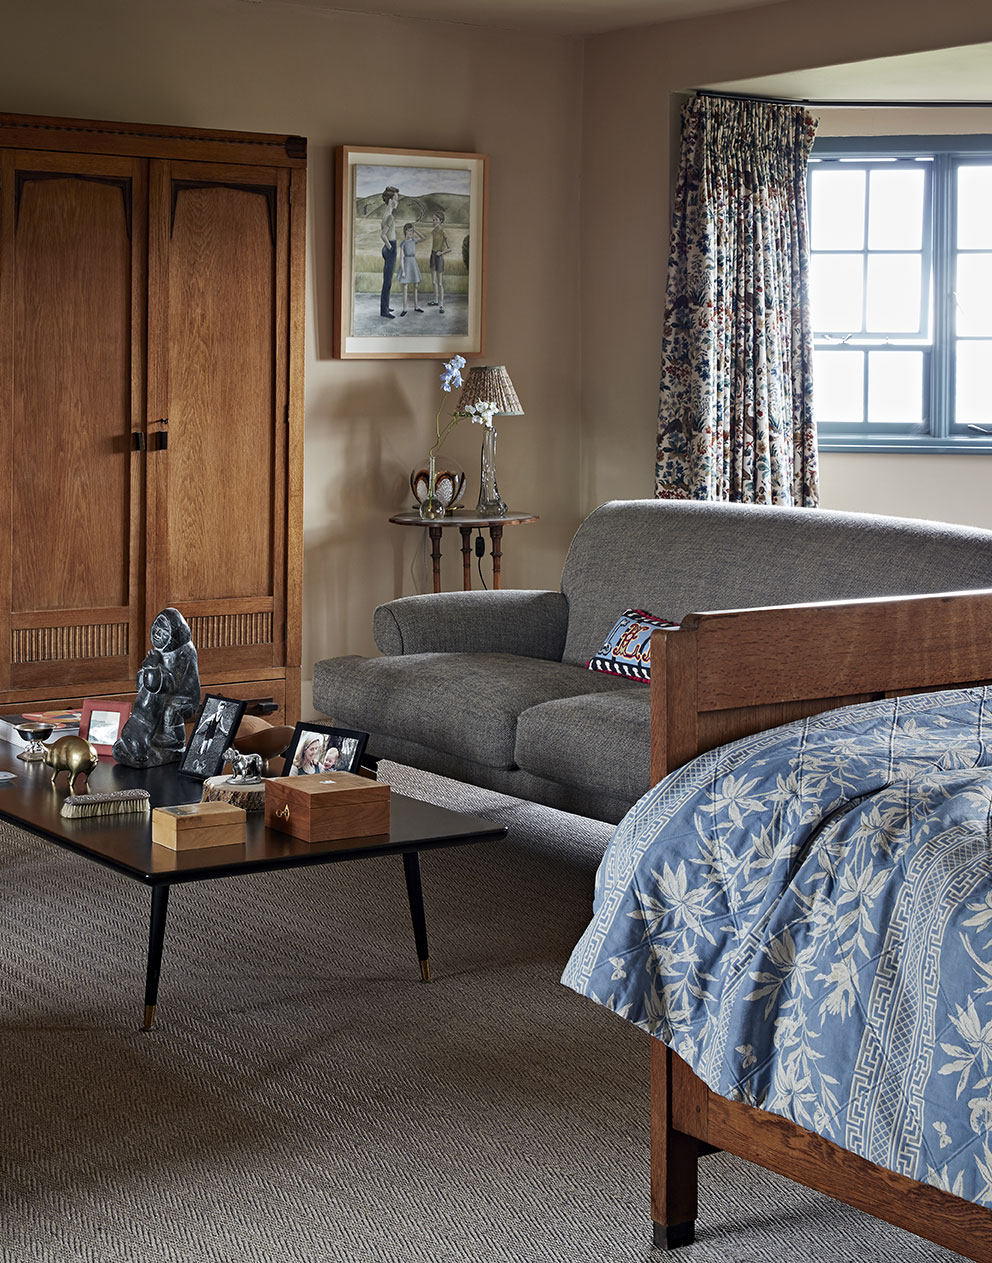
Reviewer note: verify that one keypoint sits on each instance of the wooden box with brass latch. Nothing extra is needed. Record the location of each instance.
(327, 806)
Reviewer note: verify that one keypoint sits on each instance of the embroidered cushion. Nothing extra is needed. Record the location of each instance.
(626, 650)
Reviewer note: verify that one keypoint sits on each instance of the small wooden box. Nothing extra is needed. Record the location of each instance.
(326, 807)
(192, 825)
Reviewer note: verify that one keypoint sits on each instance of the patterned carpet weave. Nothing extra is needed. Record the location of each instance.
(306, 1098)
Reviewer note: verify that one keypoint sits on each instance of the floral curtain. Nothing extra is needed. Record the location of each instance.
(735, 415)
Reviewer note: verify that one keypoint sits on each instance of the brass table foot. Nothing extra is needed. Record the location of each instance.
(149, 1017)
(425, 970)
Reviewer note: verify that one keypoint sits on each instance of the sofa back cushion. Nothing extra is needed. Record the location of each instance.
(680, 557)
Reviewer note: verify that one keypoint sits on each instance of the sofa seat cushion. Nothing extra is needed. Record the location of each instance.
(465, 704)
(600, 742)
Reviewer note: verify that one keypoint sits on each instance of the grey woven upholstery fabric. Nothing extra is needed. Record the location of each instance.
(465, 704)
(510, 621)
(600, 743)
(674, 558)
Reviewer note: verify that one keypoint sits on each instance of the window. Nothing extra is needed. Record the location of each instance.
(901, 293)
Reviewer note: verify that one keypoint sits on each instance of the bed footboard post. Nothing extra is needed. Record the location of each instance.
(674, 1174)
(674, 726)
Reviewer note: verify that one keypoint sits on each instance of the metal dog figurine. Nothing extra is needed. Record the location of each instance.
(246, 769)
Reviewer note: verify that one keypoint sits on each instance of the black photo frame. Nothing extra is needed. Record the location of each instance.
(214, 730)
(310, 750)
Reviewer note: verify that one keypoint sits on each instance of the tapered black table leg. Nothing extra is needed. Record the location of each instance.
(156, 938)
(415, 894)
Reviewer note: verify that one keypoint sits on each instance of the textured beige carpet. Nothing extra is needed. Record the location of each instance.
(307, 1098)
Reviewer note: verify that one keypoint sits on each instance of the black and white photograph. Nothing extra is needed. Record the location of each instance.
(316, 748)
(214, 730)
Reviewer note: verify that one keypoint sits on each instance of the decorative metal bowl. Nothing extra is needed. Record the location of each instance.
(34, 733)
(449, 483)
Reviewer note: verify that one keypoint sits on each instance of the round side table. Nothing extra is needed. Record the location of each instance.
(466, 520)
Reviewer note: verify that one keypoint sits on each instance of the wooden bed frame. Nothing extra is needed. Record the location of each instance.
(726, 675)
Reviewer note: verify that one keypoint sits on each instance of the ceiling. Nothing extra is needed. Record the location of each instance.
(955, 74)
(552, 17)
(947, 74)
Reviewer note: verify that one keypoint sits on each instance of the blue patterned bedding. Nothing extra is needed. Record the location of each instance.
(805, 917)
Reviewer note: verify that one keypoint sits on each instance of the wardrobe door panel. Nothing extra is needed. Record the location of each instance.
(218, 322)
(73, 292)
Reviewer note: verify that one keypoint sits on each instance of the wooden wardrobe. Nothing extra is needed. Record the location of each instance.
(151, 424)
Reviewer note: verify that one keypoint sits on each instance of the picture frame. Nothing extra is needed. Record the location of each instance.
(101, 722)
(427, 183)
(213, 731)
(317, 748)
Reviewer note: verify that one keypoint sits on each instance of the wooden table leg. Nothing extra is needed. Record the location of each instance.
(415, 894)
(435, 533)
(496, 535)
(156, 939)
(466, 557)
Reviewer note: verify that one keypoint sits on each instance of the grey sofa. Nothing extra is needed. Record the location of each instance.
(492, 687)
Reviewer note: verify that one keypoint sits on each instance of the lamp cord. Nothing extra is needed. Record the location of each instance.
(480, 552)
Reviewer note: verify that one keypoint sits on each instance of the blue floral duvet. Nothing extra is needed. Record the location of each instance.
(805, 916)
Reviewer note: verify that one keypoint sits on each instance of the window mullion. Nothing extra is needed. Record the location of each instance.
(942, 356)
(865, 363)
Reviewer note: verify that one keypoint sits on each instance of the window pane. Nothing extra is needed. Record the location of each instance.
(893, 293)
(973, 291)
(837, 210)
(835, 288)
(974, 199)
(895, 386)
(838, 386)
(895, 209)
(973, 402)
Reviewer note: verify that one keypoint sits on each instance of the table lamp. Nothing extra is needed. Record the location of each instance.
(489, 384)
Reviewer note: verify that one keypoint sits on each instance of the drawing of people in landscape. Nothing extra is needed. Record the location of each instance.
(409, 268)
(387, 232)
(433, 204)
(440, 246)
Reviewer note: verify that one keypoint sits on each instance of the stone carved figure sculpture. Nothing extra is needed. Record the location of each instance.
(168, 693)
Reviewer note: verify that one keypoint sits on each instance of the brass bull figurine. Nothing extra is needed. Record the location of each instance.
(74, 755)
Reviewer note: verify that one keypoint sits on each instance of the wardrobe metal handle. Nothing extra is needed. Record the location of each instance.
(261, 706)
(138, 441)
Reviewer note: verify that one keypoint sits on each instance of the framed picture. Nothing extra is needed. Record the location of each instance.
(315, 748)
(213, 731)
(101, 723)
(410, 253)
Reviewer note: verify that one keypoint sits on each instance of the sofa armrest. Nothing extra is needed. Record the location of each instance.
(531, 624)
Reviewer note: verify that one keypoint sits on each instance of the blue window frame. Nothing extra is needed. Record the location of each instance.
(901, 292)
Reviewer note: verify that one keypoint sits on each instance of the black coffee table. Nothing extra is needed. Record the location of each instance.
(124, 843)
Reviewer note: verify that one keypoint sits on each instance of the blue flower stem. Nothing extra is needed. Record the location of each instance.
(442, 435)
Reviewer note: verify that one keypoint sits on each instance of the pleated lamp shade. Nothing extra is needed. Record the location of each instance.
(490, 383)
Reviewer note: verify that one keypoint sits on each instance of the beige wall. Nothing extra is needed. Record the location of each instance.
(344, 79)
(571, 130)
(631, 137)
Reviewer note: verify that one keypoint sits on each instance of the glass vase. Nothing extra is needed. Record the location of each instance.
(491, 503)
(432, 506)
